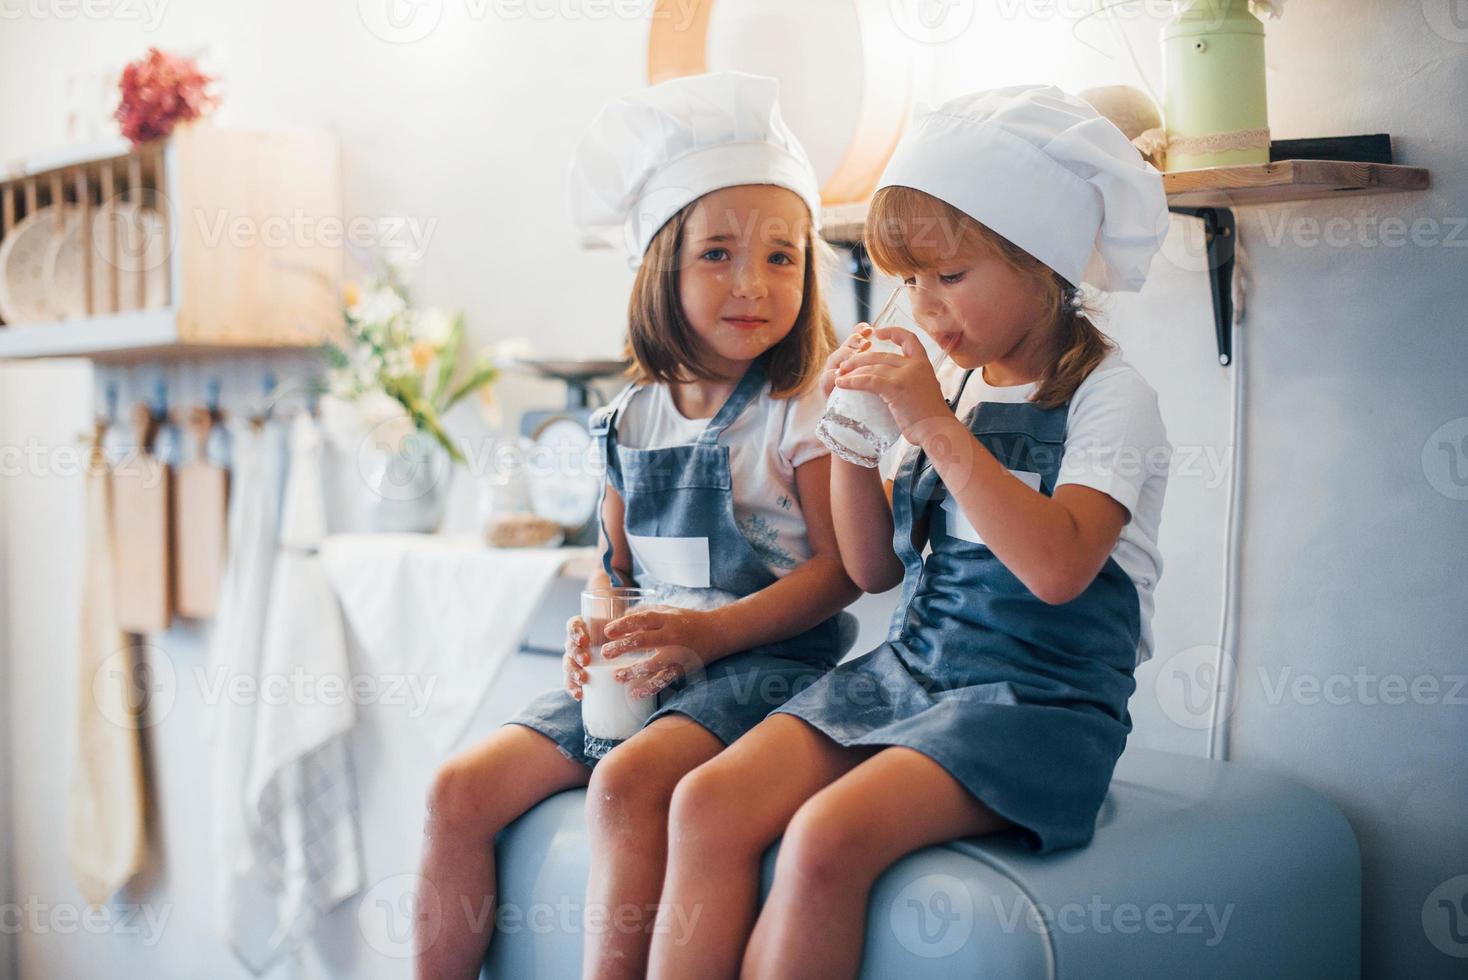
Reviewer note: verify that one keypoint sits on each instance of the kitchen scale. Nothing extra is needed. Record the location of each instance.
(564, 470)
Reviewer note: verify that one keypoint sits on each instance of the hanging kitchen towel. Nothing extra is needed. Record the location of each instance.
(445, 613)
(300, 799)
(243, 906)
(107, 843)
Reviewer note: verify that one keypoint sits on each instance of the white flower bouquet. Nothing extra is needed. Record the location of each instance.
(401, 366)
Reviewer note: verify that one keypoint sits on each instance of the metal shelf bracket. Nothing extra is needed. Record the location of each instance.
(1219, 232)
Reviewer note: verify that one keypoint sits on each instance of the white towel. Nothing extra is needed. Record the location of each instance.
(299, 791)
(108, 838)
(287, 844)
(442, 613)
(243, 904)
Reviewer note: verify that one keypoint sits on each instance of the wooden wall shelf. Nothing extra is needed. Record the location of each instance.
(253, 231)
(1288, 180)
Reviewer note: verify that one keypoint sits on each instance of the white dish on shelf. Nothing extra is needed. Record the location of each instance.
(22, 267)
(140, 256)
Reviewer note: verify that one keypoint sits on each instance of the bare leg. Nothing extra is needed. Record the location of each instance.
(627, 816)
(475, 795)
(837, 845)
(724, 816)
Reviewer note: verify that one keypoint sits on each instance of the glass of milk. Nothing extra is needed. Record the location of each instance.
(608, 712)
(858, 426)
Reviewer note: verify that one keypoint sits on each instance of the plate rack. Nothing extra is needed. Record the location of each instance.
(209, 241)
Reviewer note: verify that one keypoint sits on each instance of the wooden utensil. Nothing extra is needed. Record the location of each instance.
(142, 531)
(200, 524)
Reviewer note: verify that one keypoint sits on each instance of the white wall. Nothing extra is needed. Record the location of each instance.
(8, 952)
(1354, 560)
(1356, 353)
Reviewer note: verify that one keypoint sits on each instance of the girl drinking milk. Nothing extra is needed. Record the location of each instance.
(717, 496)
(1035, 476)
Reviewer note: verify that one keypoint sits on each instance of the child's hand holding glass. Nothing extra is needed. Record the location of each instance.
(881, 384)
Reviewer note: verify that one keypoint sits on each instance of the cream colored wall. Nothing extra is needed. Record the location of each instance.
(8, 953)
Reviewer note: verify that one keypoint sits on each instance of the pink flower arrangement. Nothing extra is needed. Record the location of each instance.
(159, 91)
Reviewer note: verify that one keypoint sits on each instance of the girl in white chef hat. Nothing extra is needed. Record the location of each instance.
(1034, 472)
(717, 498)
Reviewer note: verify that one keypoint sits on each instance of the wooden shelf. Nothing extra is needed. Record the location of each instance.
(1287, 180)
(1224, 187)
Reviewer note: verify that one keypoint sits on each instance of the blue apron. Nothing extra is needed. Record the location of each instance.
(1024, 703)
(688, 492)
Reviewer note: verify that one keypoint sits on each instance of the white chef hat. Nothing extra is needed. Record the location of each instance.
(648, 155)
(1046, 171)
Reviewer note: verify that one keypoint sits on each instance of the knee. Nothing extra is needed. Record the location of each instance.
(458, 802)
(705, 813)
(822, 849)
(627, 793)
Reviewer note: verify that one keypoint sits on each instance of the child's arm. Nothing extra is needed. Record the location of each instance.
(1054, 545)
(810, 594)
(613, 510)
(863, 508)
(578, 638)
(860, 499)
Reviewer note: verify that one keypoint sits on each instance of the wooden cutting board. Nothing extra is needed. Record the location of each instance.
(142, 531)
(200, 522)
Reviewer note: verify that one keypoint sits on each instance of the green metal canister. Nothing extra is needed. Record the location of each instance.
(1213, 58)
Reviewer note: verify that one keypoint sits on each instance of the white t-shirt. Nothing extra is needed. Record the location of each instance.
(768, 440)
(1115, 442)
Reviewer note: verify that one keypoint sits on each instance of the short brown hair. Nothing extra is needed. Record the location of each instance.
(908, 230)
(661, 343)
